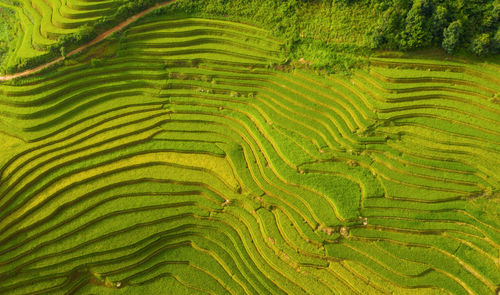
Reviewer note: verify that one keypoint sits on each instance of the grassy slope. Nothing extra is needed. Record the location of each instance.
(183, 159)
(49, 25)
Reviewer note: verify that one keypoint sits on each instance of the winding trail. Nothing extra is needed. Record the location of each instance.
(98, 39)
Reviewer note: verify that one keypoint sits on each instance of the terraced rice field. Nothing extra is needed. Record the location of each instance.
(42, 22)
(186, 163)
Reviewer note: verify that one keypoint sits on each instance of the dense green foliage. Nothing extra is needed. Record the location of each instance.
(411, 24)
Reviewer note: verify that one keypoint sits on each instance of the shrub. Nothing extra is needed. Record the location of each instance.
(63, 51)
(95, 62)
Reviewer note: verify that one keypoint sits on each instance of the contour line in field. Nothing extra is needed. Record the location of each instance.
(98, 39)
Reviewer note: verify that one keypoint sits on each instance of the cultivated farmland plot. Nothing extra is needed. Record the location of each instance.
(181, 161)
(44, 22)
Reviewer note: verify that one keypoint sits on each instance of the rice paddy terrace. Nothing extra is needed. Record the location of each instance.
(186, 163)
(42, 22)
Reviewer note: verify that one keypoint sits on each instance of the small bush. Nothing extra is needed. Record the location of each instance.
(95, 62)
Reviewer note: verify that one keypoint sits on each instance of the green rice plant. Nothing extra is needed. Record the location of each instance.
(183, 156)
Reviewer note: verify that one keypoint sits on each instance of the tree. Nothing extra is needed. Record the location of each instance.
(439, 23)
(495, 43)
(481, 44)
(451, 36)
(417, 30)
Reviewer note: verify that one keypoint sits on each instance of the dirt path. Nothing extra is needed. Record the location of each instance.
(85, 46)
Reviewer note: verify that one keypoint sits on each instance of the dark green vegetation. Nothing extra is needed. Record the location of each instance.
(411, 24)
(191, 154)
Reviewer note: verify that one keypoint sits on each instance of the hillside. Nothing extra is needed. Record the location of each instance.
(189, 154)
